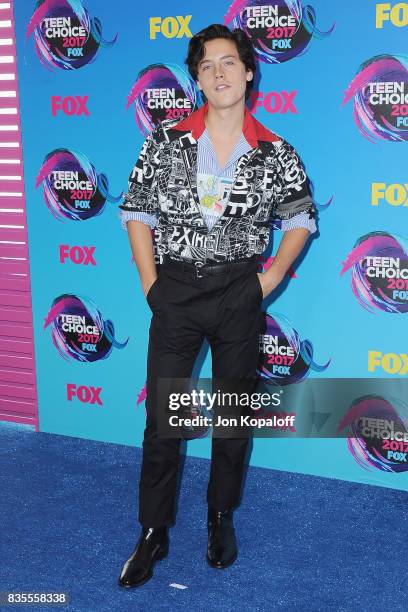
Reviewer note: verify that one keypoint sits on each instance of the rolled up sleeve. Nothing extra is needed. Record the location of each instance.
(128, 215)
(142, 196)
(294, 204)
(300, 220)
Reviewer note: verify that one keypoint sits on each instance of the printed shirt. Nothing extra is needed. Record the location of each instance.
(201, 212)
(214, 184)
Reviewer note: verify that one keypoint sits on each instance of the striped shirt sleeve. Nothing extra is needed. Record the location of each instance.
(128, 215)
(299, 220)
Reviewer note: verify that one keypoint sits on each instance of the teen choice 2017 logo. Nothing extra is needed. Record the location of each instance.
(284, 357)
(72, 188)
(380, 91)
(162, 91)
(377, 433)
(79, 331)
(279, 30)
(65, 35)
(379, 272)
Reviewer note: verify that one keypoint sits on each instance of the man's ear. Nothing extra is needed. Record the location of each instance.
(250, 74)
(199, 86)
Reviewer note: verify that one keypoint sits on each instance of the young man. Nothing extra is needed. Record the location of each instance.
(209, 184)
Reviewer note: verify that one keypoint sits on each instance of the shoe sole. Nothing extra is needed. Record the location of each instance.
(215, 566)
(162, 554)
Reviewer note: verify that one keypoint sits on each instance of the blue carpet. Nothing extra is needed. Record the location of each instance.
(69, 521)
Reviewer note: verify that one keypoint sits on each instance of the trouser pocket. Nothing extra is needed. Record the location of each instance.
(259, 286)
(151, 294)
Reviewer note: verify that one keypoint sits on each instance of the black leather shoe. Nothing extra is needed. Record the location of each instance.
(222, 545)
(152, 546)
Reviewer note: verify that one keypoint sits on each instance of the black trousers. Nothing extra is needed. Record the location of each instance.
(225, 308)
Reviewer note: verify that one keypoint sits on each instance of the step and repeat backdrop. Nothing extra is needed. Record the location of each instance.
(95, 78)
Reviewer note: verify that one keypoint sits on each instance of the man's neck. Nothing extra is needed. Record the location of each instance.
(225, 121)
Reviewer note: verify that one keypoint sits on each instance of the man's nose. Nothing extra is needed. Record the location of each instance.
(219, 72)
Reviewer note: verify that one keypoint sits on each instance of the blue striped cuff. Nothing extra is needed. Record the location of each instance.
(300, 220)
(128, 215)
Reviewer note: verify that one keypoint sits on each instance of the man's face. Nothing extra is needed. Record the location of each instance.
(222, 76)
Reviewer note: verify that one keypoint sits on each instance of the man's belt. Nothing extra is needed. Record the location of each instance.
(201, 269)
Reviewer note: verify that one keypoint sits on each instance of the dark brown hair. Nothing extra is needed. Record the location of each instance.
(196, 50)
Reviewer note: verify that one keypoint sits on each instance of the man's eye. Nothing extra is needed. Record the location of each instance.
(205, 67)
(230, 62)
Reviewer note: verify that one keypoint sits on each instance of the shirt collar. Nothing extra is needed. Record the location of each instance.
(241, 147)
(252, 129)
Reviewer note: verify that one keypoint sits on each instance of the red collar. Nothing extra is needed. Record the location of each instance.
(252, 129)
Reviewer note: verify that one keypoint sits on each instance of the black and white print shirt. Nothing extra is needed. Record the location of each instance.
(269, 182)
